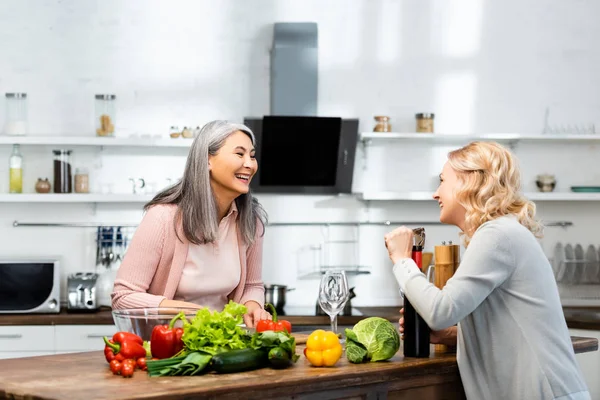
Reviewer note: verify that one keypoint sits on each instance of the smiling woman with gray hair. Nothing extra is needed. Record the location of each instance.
(200, 241)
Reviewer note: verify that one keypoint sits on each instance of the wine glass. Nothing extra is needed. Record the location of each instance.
(333, 294)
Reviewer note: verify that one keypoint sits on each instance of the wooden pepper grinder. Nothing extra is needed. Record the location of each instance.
(447, 259)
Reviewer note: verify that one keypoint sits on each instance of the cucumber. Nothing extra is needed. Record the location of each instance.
(239, 360)
(279, 358)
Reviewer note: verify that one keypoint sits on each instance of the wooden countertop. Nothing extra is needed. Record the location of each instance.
(86, 376)
(104, 317)
(577, 317)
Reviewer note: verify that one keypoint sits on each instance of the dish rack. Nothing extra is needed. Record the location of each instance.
(577, 274)
(329, 254)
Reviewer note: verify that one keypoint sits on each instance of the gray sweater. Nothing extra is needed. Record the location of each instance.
(513, 341)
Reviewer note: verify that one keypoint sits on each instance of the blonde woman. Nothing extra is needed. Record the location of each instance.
(512, 339)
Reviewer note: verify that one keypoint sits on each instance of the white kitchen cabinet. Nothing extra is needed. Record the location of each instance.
(589, 362)
(73, 338)
(26, 338)
(26, 341)
(35, 340)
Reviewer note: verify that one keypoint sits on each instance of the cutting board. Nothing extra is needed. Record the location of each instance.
(301, 337)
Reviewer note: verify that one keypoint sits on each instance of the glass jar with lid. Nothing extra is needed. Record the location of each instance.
(16, 114)
(63, 174)
(424, 122)
(174, 132)
(382, 124)
(105, 114)
(82, 181)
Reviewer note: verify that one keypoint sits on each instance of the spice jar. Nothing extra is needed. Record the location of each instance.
(105, 114)
(174, 132)
(424, 122)
(82, 182)
(16, 114)
(62, 171)
(383, 124)
(42, 185)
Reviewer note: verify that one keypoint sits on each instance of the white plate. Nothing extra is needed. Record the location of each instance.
(579, 264)
(569, 274)
(558, 262)
(591, 267)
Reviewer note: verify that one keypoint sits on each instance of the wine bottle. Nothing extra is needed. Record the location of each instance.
(416, 330)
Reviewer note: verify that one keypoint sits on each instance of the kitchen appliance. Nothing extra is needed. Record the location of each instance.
(326, 150)
(81, 291)
(275, 294)
(294, 68)
(29, 285)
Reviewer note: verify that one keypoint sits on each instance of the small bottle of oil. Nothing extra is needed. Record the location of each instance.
(16, 170)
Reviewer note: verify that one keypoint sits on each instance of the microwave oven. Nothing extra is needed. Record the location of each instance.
(29, 286)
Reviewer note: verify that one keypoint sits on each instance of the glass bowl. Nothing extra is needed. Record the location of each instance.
(141, 321)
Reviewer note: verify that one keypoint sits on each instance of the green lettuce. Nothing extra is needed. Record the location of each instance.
(215, 332)
(372, 339)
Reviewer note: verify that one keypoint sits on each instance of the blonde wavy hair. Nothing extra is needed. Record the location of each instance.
(490, 187)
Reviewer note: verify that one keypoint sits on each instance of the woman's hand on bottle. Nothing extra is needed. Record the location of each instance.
(399, 243)
(444, 336)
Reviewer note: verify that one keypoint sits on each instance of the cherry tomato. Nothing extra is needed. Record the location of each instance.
(141, 363)
(127, 370)
(115, 366)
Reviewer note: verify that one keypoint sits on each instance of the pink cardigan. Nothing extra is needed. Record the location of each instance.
(154, 262)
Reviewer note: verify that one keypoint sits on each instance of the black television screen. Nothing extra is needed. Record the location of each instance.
(312, 155)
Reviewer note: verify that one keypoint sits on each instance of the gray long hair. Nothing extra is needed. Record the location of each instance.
(196, 203)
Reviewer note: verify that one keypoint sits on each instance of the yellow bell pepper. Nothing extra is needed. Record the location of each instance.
(323, 349)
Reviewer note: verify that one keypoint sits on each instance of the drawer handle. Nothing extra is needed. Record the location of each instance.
(95, 336)
(13, 336)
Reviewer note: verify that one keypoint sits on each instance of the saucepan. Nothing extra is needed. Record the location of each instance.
(275, 294)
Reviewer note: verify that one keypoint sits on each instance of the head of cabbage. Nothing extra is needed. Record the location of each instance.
(372, 339)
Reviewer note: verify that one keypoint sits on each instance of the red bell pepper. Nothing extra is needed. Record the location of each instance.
(121, 337)
(109, 354)
(165, 341)
(123, 346)
(273, 325)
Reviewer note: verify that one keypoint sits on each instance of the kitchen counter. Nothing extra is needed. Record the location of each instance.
(86, 376)
(577, 317)
(104, 317)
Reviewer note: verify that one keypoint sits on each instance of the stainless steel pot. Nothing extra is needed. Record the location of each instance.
(275, 294)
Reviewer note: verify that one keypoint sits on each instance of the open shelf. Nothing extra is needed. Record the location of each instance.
(350, 271)
(441, 138)
(74, 198)
(425, 196)
(96, 141)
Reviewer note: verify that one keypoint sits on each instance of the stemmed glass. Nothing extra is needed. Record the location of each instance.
(333, 294)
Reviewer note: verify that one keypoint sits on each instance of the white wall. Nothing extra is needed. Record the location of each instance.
(481, 66)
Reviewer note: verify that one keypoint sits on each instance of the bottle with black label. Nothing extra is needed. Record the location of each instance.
(416, 330)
